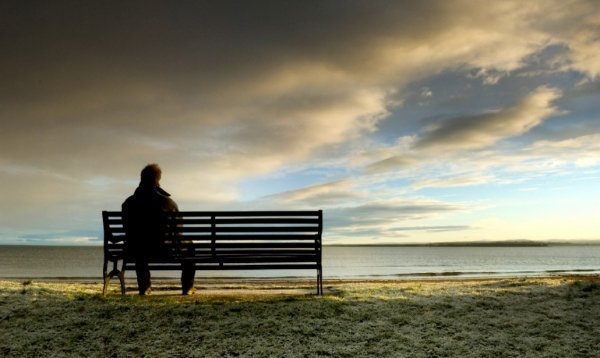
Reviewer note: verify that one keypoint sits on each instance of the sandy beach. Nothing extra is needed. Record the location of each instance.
(502, 317)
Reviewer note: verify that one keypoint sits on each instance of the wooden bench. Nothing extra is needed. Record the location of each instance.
(221, 240)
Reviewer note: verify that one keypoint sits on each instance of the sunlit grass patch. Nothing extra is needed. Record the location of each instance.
(503, 317)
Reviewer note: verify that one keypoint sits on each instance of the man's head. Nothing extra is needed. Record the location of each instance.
(150, 175)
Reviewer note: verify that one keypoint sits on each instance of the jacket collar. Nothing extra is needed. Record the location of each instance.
(156, 189)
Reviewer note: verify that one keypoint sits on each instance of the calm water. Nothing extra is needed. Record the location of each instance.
(338, 262)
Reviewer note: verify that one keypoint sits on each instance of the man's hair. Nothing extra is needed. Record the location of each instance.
(150, 175)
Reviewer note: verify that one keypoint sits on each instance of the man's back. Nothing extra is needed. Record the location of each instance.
(144, 219)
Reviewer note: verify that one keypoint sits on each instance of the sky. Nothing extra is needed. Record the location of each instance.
(404, 121)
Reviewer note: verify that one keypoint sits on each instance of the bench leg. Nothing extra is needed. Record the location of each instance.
(104, 278)
(122, 278)
(106, 281)
(107, 276)
(320, 288)
(122, 281)
(319, 281)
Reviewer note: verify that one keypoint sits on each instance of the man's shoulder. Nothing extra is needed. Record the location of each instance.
(169, 204)
(128, 203)
(149, 200)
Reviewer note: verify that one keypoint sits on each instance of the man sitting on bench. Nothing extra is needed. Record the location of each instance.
(146, 228)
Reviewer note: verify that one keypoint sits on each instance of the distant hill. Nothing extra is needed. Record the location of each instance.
(505, 243)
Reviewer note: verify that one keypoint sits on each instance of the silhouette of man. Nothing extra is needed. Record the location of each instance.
(147, 228)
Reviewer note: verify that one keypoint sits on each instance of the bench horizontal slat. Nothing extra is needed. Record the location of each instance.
(262, 260)
(192, 229)
(235, 259)
(232, 229)
(174, 256)
(239, 255)
(234, 221)
(252, 229)
(216, 266)
(118, 214)
(274, 221)
(221, 247)
(267, 267)
(257, 246)
(244, 214)
(191, 221)
(117, 230)
(252, 237)
(263, 245)
(279, 252)
(198, 240)
(230, 259)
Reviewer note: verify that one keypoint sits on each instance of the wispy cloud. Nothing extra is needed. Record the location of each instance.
(388, 213)
(452, 182)
(328, 194)
(486, 129)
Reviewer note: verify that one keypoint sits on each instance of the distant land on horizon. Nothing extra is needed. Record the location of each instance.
(507, 243)
(518, 243)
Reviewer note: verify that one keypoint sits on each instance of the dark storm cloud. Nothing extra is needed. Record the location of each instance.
(71, 43)
(162, 70)
(166, 72)
(83, 81)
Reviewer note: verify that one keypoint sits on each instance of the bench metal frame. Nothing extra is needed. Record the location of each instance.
(225, 240)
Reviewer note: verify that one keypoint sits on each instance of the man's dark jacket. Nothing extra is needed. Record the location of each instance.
(144, 220)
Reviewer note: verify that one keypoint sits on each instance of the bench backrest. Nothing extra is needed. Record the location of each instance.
(233, 235)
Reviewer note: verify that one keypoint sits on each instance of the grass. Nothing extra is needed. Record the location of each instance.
(534, 317)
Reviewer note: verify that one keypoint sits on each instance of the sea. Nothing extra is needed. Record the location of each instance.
(339, 262)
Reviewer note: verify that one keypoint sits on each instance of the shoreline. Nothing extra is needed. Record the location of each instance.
(587, 275)
(279, 286)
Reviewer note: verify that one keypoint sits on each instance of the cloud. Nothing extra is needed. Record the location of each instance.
(578, 29)
(489, 77)
(486, 129)
(581, 151)
(388, 213)
(452, 182)
(353, 208)
(391, 163)
(378, 221)
(328, 194)
(442, 145)
(384, 236)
